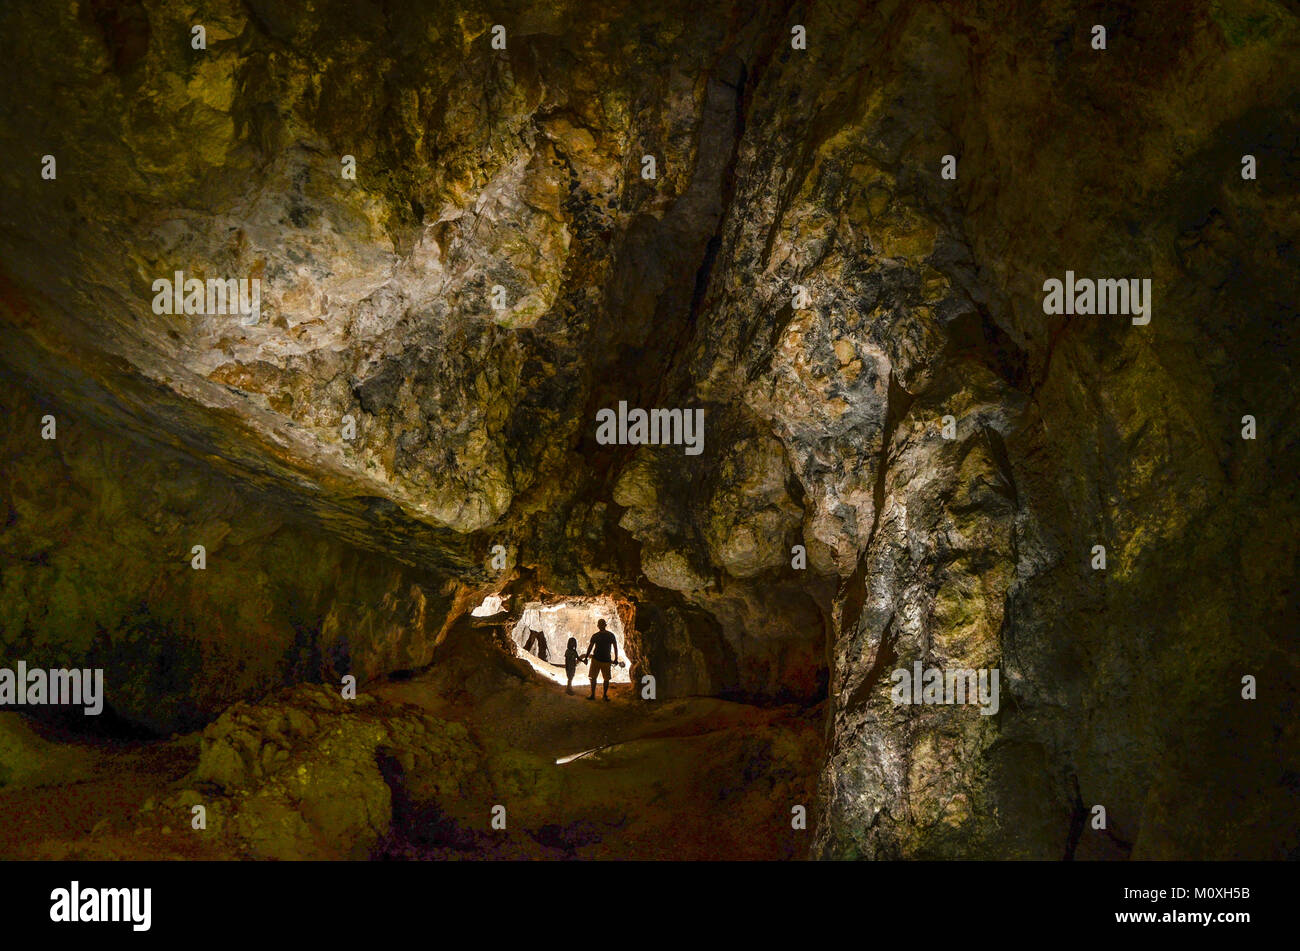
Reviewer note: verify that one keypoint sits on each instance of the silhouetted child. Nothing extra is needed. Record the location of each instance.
(571, 661)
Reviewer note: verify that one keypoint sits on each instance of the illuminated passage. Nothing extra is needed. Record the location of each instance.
(560, 620)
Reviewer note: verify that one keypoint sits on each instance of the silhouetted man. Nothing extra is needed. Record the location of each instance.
(603, 651)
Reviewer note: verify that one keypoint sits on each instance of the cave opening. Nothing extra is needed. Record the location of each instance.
(493, 604)
(558, 620)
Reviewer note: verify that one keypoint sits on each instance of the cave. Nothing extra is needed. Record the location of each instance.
(910, 388)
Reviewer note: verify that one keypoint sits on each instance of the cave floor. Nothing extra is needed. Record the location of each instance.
(90, 811)
(691, 778)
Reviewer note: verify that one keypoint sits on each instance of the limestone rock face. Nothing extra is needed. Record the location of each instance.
(905, 459)
(100, 571)
(1120, 687)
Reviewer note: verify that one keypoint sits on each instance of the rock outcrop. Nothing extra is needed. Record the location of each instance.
(437, 334)
(303, 775)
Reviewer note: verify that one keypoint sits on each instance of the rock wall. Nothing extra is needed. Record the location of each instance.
(98, 571)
